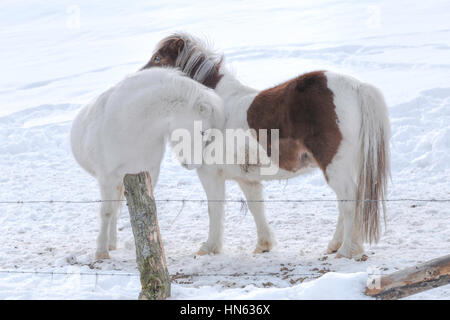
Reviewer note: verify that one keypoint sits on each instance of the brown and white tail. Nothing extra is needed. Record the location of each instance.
(374, 162)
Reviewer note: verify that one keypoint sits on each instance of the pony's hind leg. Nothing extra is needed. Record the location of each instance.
(108, 216)
(253, 192)
(352, 246)
(214, 185)
(338, 236)
(347, 238)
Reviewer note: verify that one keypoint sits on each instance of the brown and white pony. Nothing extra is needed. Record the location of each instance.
(325, 120)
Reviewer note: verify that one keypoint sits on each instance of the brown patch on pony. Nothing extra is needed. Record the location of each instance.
(168, 52)
(303, 111)
(296, 156)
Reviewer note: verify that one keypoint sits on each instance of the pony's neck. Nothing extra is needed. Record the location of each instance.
(237, 98)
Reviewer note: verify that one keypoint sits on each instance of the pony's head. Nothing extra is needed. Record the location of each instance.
(191, 128)
(190, 55)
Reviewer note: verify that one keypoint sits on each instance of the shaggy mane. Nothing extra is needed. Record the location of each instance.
(197, 59)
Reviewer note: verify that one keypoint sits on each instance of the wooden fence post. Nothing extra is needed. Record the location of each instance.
(406, 282)
(150, 256)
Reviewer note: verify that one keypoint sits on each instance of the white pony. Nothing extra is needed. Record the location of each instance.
(325, 120)
(126, 128)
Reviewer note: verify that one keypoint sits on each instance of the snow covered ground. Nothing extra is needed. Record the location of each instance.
(57, 55)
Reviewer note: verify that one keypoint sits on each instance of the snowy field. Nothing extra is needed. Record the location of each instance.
(57, 55)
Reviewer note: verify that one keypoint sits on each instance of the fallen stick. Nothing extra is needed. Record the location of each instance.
(406, 282)
(150, 258)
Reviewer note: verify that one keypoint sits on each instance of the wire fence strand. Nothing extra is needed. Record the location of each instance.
(174, 276)
(226, 201)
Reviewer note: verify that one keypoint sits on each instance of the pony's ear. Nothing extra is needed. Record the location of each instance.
(176, 46)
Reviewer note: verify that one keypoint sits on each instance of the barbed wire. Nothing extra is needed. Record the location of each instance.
(177, 275)
(225, 200)
(174, 276)
(69, 273)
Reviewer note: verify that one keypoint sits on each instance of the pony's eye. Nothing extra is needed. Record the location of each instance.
(157, 59)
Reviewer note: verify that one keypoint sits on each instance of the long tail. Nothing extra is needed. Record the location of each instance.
(374, 162)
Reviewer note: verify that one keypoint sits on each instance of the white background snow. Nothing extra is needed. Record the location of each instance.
(57, 55)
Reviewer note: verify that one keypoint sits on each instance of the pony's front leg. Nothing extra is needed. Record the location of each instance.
(108, 217)
(214, 184)
(253, 192)
(112, 241)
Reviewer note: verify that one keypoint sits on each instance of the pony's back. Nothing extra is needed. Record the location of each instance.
(138, 113)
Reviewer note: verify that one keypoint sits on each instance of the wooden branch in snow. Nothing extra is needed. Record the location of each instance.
(403, 283)
(150, 256)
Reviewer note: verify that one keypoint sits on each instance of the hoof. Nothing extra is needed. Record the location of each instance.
(333, 247)
(331, 250)
(265, 244)
(358, 257)
(201, 252)
(356, 252)
(208, 249)
(260, 250)
(101, 255)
